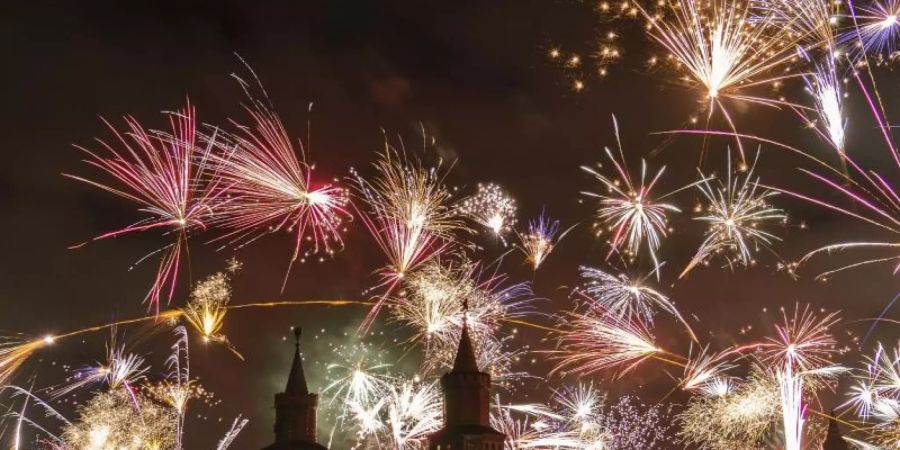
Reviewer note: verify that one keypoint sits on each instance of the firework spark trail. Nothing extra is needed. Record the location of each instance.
(803, 345)
(875, 31)
(120, 369)
(268, 186)
(492, 208)
(631, 212)
(627, 298)
(236, 427)
(541, 238)
(826, 88)
(812, 20)
(875, 397)
(705, 372)
(803, 340)
(409, 217)
(792, 409)
(162, 173)
(582, 417)
(595, 341)
(737, 208)
(440, 297)
(723, 51)
(15, 351)
(736, 420)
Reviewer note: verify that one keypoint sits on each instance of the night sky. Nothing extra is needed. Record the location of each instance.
(475, 74)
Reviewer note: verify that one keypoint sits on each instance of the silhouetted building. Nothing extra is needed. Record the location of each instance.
(833, 439)
(295, 410)
(467, 402)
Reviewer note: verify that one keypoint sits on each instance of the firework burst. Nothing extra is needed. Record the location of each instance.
(813, 21)
(440, 297)
(492, 208)
(409, 216)
(626, 297)
(268, 186)
(876, 29)
(826, 88)
(724, 49)
(738, 419)
(207, 308)
(629, 209)
(162, 173)
(541, 238)
(596, 341)
(737, 209)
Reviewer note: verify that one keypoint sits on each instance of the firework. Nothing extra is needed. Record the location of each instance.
(409, 216)
(626, 297)
(705, 372)
(803, 340)
(792, 409)
(737, 420)
(876, 29)
(875, 393)
(14, 353)
(597, 341)
(440, 296)
(236, 427)
(826, 88)
(581, 417)
(413, 412)
(268, 187)
(403, 419)
(813, 21)
(492, 208)
(357, 383)
(737, 209)
(121, 369)
(803, 347)
(723, 49)
(629, 210)
(541, 238)
(110, 421)
(162, 173)
(207, 308)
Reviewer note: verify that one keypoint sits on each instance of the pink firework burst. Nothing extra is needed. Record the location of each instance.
(268, 187)
(162, 173)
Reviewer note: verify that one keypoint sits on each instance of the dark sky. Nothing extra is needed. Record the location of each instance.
(476, 74)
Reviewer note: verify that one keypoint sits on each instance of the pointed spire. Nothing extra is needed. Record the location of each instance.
(465, 354)
(296, 383)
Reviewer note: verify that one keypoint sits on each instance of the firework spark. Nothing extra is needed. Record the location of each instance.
(268, 187)
(440, 297)
(541, 238)
(207, 308)
(581, 417)
(804, 340)
(120, 369)
(110, 421)
(737, 209)
(724, 49)
(737, 420)
(826, 88)
(409, 216)
(596, 341)
(627, 298)
(162, 173)
(629, 210)
(813, 21)
(492, 208)
(876, 30)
